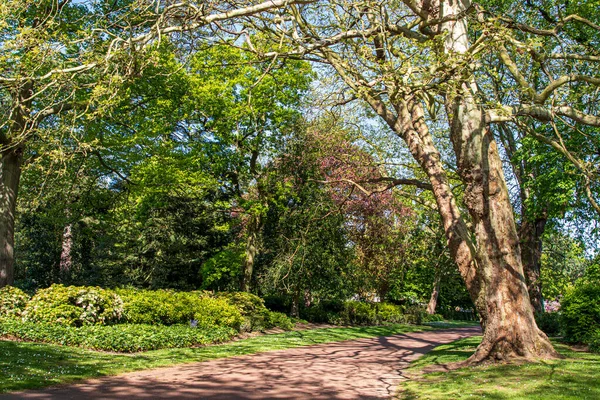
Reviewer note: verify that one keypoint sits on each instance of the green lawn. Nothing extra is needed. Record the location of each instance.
(575, 377)
(33, 365)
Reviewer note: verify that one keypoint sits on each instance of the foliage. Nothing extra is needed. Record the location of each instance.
(74, 306)
(256, 316)
(280, 320)
(217, 312)
(563, 261)
(12, 301)
(168, 307)
(360, 313)
(122, 338)
(580, 310)
(549, 323)
(575, 377)
(223, 270)
(594, 341)
(432, 318)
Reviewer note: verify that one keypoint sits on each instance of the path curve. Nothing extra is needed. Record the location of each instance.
(354, 369)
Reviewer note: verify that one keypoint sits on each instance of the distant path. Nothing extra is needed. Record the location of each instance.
(354, 369)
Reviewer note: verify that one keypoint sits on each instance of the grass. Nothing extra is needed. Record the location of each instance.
(451, 324)
(575, 377)
(26, 365)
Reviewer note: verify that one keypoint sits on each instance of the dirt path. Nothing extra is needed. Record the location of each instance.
(356, 369)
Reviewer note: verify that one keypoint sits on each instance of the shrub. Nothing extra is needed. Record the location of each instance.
(252, 308)
(211, 312)
(580, 315)
(433, 317)
(168, 307)
(159, 307)
(356, 313)
(317, 313)
(12, 301)
(359, 313)
(594, 341)
(549, 323)
(280, 320)
(121, 338)
(416, 314)
(74, 306)
(390, 313)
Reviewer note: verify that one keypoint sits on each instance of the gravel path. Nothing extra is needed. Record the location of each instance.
(354, 369)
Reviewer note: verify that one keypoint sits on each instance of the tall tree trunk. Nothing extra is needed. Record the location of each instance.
(66, 258)
(530, 234)
(295, 311)
(251, 252)
(11, 157)
(510, 329)
(10, 161)
(432, 305)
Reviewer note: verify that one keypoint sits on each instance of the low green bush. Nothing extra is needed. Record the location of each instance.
(252, 308)
(280, 320)
(391, 313)
(12, 301)
(358, 313)
(433, 317)
(594, 341)
(168, 307)
(74, 306)
(211, 312)
(121, 338)
(159, 307)
(549, 323)
(257, 317)
(580, 311)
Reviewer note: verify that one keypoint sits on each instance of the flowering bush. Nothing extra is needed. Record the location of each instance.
(12, 301)
(552, 306)
(74, 306)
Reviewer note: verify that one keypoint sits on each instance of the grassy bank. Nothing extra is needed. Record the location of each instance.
(32, 365)
(575, 377)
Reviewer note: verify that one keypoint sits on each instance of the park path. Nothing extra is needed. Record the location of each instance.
(354, 369)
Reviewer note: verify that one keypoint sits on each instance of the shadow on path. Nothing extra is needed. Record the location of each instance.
(356, 369)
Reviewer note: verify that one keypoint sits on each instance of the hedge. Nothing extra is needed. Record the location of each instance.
(120, 338)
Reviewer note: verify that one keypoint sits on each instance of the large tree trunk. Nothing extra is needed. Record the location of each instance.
(487, 252)
(11, 157)
(10, 161)
(509, 326)
(530, 234)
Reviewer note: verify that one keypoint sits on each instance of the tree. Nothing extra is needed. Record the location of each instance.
(408, 58)
(59, 57)
(376, 218)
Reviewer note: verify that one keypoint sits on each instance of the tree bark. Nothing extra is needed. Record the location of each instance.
(11, 158)
(432, 305)
(10, 161)
(530, 234)
(251, 252)
(510, 330)
(66, 259)
(487, 251)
